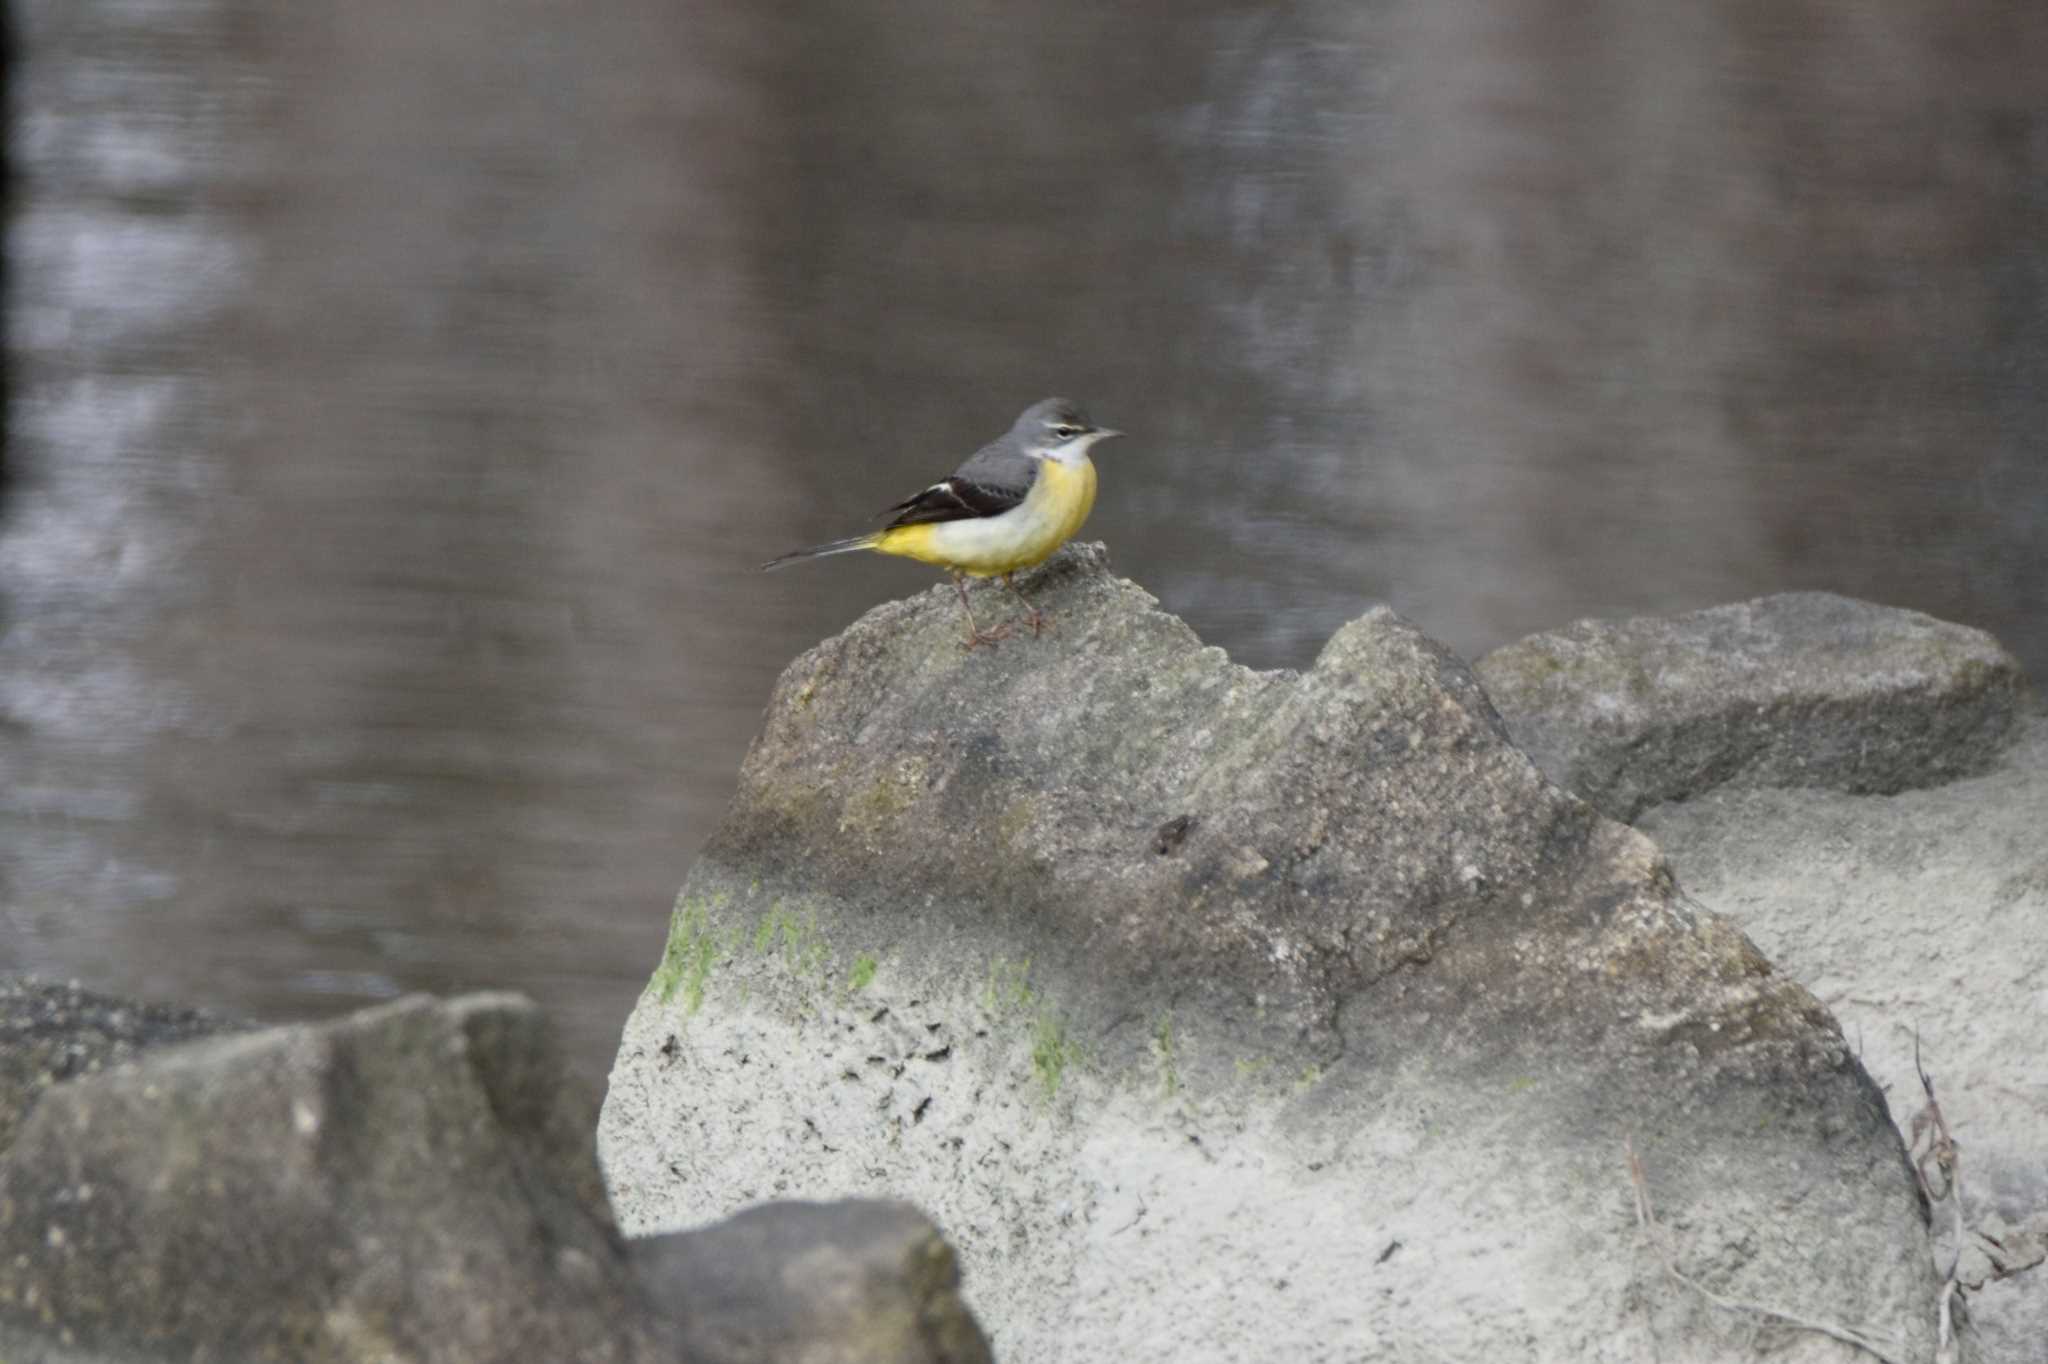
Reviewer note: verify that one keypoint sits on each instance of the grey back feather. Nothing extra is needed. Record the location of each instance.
(1001, 464)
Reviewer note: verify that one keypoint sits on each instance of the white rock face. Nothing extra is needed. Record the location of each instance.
(1125, 1221)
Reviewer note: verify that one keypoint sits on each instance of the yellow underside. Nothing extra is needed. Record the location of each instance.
(1027, 534)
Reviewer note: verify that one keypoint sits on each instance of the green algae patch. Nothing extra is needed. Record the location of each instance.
(1008, 986)
(1166, 1052)
(686, 960)
(793, 937)
(709, 935)
(881, 803)
(1052, 1050)
(1007, 991)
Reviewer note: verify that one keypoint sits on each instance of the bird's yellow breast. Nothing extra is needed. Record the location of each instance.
(1057, 506)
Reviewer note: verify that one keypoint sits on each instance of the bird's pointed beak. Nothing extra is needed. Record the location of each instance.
(1106, 433)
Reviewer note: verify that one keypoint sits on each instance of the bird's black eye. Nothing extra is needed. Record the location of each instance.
(1066, 431)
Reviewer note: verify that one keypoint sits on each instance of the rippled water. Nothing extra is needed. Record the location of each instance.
(401, 396)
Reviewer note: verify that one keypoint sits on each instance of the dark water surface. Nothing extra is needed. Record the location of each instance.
(402, 395)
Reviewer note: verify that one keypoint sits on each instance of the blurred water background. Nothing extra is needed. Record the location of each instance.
(400, 396)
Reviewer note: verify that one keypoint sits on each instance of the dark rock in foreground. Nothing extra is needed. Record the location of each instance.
(402, 1183)
(1800, 689)
(1227, 1015)
(408, 1183)
(824, 1283)
(52, 1032)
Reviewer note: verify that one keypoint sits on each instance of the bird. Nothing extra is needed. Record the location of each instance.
(1020, 497)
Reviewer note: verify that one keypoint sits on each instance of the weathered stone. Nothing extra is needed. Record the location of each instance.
(1220, 1014)
(1921, 919)
(412, 1182)
(52, 1032)
(1800, 689)
(855, 1282)
(405, 1183)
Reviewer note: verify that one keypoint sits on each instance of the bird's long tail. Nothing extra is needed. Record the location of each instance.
(820, 551)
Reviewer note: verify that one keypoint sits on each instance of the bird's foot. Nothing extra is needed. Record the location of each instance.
(1039, 620)
(989, 637)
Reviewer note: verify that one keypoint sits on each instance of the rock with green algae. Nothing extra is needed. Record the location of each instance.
(1221, 1014)
(1797, 689)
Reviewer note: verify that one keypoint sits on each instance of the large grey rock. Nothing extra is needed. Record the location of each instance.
(854, 1282)
(1800, 689)
(1920, 919)
(1222, 1015)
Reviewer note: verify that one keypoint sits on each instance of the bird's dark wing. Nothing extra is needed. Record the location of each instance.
(955, 499)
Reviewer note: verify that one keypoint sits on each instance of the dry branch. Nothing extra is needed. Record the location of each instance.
(1941, 1149)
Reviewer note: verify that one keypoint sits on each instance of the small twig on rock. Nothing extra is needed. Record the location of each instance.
(1646, 1218)
(1941, 1149)
(1941, 1144)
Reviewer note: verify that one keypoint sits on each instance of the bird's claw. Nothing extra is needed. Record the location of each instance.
(988, 637)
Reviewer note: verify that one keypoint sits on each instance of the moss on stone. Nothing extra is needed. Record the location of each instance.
(686, 959)
(1165, 1052)
(794, 937)
(882, 801)
(1008, 986)
(1052, 1050)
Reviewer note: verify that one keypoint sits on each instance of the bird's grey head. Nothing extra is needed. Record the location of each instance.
(1057, 429)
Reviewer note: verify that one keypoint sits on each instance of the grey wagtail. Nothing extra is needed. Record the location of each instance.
(1020, 498)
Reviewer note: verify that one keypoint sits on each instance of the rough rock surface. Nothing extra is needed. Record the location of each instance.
(403, 1183)
(1221, 1014)
(409, 1183)
(52, 1032)
(1920, 913)
(855, 1282)
(1800, 689)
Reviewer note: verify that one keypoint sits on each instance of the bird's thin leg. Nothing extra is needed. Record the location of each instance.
(975, 634)
(1039, 620)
